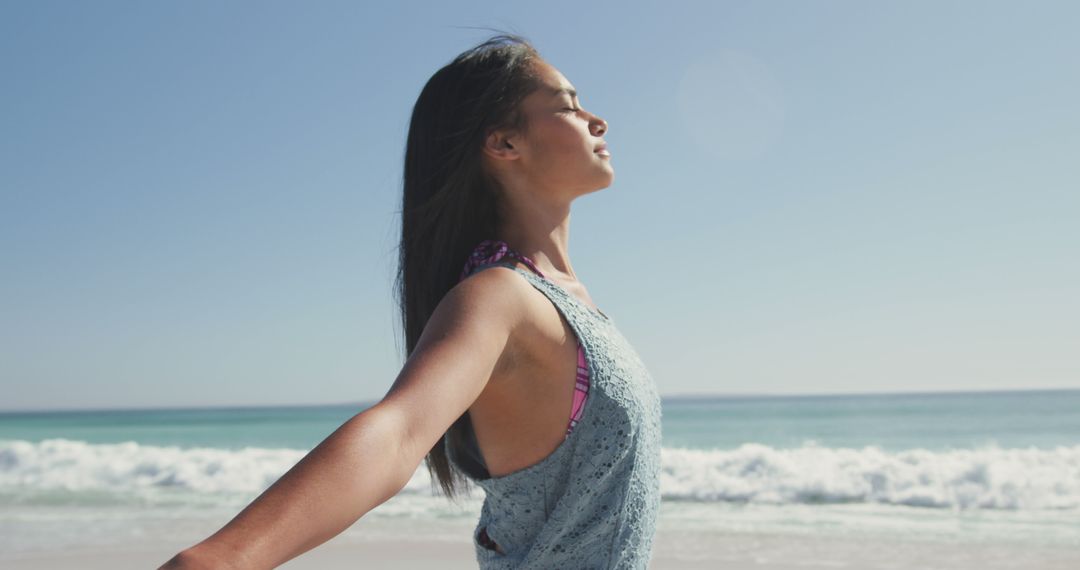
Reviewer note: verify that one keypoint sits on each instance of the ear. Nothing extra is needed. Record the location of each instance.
(501, 145)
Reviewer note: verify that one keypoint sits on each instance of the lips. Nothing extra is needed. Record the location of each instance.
(602, 150)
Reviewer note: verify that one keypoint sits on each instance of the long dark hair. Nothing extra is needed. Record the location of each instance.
(449, 203)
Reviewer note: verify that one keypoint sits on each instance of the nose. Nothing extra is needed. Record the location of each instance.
(597, 126)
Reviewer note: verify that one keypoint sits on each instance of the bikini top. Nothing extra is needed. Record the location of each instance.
(492, 252)
(594, 500)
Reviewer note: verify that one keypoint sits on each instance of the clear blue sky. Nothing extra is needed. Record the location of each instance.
(199, 198)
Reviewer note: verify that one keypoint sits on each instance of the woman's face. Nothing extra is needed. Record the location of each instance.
(561, 149)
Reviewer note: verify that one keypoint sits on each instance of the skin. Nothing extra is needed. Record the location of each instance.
(494, 346)
(521, 417)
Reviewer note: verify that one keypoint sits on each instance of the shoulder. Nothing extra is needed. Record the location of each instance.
(488, 315)
(497, 283)
(494, 294)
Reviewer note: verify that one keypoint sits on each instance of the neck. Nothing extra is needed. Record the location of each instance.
(540, 232)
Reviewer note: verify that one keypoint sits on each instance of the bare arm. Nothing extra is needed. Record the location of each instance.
(371, 457)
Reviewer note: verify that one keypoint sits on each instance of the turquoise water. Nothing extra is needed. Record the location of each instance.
(992, 466)
(1042, 419)
(893, 422)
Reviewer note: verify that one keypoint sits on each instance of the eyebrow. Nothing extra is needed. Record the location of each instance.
(560, 90)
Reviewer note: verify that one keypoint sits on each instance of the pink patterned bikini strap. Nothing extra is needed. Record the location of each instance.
(491, 251)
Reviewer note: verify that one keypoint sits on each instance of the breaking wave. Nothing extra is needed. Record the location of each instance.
(984, 478)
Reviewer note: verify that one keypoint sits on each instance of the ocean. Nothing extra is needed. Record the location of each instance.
(970, 468)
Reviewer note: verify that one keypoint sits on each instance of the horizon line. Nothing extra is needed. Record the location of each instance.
(364, 404)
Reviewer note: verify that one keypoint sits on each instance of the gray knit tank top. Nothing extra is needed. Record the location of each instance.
(593, 502)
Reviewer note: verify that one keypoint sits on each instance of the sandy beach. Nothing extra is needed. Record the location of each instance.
(820, 273)
(686, 551)
(941, 501)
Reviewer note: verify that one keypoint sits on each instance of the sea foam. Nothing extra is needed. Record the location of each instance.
(983, 478)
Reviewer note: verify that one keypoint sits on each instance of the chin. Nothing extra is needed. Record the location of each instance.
(608, 179)
(602, 183)
(595, 181)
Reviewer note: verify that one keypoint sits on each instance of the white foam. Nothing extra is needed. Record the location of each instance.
(984, 478)
(80, 466)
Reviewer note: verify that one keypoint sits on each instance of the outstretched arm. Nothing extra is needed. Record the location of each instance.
(371, 457)
(356, 468)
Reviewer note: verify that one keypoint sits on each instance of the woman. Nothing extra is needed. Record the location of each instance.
(514, 380)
